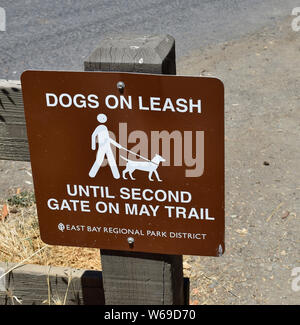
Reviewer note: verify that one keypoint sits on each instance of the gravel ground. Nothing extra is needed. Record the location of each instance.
(261, 76)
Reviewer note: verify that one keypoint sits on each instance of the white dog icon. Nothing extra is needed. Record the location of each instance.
(147, 166)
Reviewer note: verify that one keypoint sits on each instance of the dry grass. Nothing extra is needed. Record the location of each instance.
(20, 238)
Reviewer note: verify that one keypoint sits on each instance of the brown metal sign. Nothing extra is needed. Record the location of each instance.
(127, 161)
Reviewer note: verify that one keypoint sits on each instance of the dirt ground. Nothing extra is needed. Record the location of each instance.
(261, 74)
(262, 80)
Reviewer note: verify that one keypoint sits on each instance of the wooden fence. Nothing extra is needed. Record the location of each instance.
(126, 277)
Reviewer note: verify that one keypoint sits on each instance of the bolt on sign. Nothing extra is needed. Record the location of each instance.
(127, 161)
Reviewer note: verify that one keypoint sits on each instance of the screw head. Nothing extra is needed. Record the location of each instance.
(130, 240)
(120, 85)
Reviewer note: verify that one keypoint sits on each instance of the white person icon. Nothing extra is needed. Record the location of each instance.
(101, 136)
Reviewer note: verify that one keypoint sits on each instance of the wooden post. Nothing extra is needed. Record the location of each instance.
(130, 277)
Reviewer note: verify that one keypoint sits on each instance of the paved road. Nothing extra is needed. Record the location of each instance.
(60, 34)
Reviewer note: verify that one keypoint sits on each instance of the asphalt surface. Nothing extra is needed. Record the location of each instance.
(58, 35)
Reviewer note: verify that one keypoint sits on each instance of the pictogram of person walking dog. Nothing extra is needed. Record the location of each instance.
(101, 135)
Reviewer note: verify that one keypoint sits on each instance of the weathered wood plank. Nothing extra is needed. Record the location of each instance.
(142, 278)
(128, 277)
(38, 284)
(13, 136)
(145, 54)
